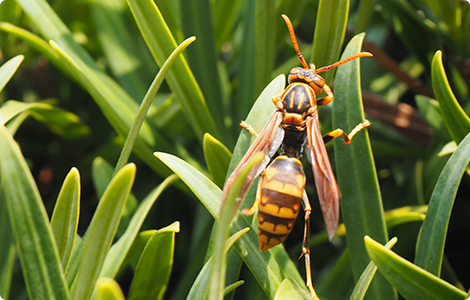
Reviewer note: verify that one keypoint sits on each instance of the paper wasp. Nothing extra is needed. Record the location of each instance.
(281, 187)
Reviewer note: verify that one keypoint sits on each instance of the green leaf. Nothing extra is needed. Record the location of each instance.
(8, 69)
(361, 203)
(217, 159)
(366, 277)
(134, 253)
(146, 102)
(120, 47)
(431, 112)
(102, 173)
(154, 268)
(448, 148)
(180, 79)
(245, 94)
(408, 25)
(227, 211)
(121, 114)
(7, 251)
(450, 14)
(34, 239)
(197, 21)
(268, 271)
(432, 237)
(458, 123)
(64, 221)
(405, 214)
(291, 290)
(411, 281)
(224, 14)
(232, 287)
(366, 10)
(265, 43)
(100, 233)
(36, 43)
(200, 287)
(119, 250)
(58, 120)
(330, 28)
(107, 289)
(117, 106)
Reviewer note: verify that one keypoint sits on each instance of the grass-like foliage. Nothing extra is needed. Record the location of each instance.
(119, 124)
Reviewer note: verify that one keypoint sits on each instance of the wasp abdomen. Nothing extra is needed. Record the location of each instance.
(281, 195)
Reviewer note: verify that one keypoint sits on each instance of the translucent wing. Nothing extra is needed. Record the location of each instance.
(268, 142)
(325, 181)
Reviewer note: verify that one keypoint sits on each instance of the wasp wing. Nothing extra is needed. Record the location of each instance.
(268, 142)
(325, 181)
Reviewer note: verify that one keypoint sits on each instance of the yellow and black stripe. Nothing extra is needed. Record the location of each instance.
(280, 199)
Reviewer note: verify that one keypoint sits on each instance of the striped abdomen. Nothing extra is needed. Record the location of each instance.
(281, 196)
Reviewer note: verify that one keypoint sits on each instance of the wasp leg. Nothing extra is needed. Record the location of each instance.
(306, 248)
(329, 96)
(346, 137)
(248, 127)
(251, 211)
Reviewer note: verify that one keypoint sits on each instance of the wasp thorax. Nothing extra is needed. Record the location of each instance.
(307, 76)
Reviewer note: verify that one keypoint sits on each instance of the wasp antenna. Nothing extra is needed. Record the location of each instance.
(361, 54)
(294, 40)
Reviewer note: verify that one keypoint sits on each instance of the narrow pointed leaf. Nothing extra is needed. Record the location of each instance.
(432, 237)
(7, 251)
(431, 112)
(119, 250)
(364, 281)
(107, 289)
(121, 114)
(265, 43)
(180, 79)
(8, 69)
(64, 221)
(230, 288)
(35, 243)
(458, 123)
(101, 231)
(146, 102)
(366, 10)
(115, 34)
(102, 173)
(154, 268)
(411, 281)
(200, 287)
(196, 17)
(217, 159)
(36, 43)
(227, 211)
(330, 28)
(58, 120)
(361, 202)
(224, 14)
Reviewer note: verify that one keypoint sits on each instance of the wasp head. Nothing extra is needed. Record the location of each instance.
(307, 76)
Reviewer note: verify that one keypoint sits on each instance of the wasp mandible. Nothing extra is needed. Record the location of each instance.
(292, 127)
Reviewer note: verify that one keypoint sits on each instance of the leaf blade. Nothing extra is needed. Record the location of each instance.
(411, 281)
(35, 243)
